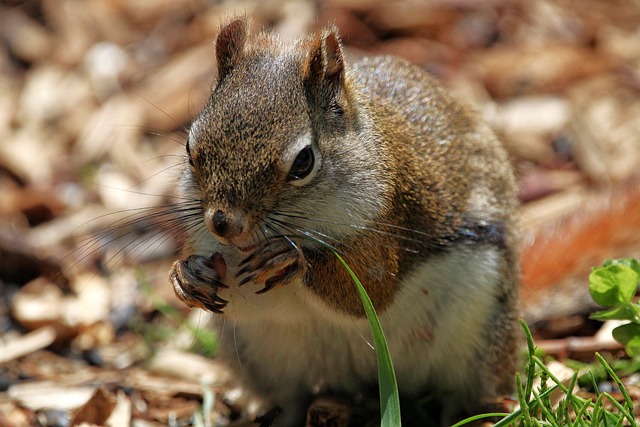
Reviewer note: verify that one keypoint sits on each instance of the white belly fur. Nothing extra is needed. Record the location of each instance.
(289, 343)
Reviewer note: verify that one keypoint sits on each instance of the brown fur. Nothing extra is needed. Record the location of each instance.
(432, 178)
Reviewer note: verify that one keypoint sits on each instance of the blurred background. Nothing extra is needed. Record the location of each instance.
(95, 100)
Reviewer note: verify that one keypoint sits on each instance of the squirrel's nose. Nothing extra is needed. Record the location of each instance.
(224, 224)
(220, 223)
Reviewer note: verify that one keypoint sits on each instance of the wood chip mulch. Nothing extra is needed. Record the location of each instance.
(96, 97)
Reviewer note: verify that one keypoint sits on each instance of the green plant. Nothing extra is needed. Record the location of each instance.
(537, 408)
(614, 285)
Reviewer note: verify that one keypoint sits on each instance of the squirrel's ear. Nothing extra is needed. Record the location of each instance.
(325, 64)
(230, 45)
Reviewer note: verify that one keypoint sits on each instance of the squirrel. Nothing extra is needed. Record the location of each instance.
(298, 152)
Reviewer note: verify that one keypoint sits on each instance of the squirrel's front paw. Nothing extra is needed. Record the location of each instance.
(197, 281)
(276, 263)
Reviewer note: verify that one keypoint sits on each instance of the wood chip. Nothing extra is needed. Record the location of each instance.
(543, 68)
(122, 412)
(83, 315)
(12, 414)
(27, 39)
(606, 127)
(38, 304)
(189, 366)
(39, 395)
(567, 347)
(17, 347)
(531, 114)
(97, 410)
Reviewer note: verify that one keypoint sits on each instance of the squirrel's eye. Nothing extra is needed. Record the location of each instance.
(302, 165)
(189, 153)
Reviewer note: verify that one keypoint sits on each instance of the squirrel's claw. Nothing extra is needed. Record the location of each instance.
(246, 280)
(277, 263)
(197, 280)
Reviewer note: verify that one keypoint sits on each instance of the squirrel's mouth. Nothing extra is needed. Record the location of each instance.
(247, 249)
(245, 243)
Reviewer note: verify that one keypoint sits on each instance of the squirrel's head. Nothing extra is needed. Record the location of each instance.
(283, 145)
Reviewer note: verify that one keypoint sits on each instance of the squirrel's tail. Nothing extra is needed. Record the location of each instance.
(559, 250)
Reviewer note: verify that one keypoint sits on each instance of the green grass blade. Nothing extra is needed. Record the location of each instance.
(530, 368)
(389, 398)
(623, 390)
(566, 402)
(545, 409)
(479, 417)
(509, 420)
(623, 411)
(523, 400)
(580, 413)
(597, 410)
